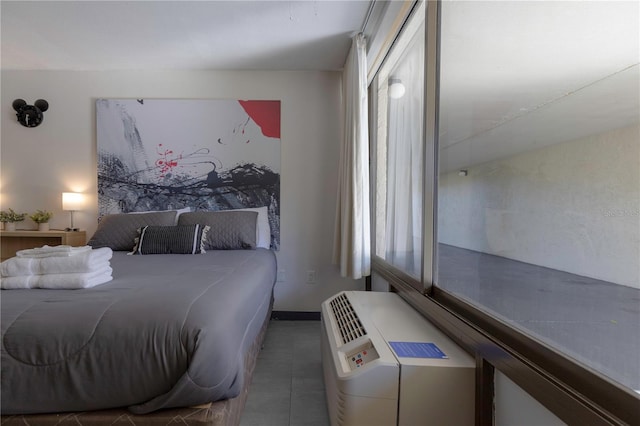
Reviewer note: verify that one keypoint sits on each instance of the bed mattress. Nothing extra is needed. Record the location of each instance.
(168, 331)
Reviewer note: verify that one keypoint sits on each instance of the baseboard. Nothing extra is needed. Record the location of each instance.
(295, 316)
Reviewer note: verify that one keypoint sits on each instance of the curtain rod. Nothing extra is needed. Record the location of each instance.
(366, 18)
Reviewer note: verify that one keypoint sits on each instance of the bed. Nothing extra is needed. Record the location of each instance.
(173, 338)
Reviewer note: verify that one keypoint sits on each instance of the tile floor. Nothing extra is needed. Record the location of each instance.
(287, 387)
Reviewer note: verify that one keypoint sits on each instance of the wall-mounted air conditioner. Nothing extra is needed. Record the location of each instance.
(385, 364)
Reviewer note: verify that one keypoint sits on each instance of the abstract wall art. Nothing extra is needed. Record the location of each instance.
(206, 154)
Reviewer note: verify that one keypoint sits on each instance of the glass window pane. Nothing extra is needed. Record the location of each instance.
(400, 151)
(539, 180)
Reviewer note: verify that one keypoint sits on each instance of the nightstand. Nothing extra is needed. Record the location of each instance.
(12, 241)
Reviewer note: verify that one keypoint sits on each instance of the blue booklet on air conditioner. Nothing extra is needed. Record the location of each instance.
(417, 350)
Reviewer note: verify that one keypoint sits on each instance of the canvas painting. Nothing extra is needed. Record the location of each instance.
(206, 154)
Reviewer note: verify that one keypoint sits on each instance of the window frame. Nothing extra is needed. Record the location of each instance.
(408, 11)
(571, 391)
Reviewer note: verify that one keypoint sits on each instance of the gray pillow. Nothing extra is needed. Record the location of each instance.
(232, 230)
(180, 239)
(119, 231)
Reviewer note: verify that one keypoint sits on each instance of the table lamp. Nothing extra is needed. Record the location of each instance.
(72, 201)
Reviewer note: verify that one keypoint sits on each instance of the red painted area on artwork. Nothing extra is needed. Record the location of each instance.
(266, 115)
(166, 163)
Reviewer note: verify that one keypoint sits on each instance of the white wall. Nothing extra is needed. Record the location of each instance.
(515, 407)
(38, 164)
(573, 206)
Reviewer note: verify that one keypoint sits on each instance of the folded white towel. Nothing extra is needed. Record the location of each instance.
(58, 281)
(52, 251)
(85, 261)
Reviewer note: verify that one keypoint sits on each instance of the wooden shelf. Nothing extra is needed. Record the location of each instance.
(12, 241)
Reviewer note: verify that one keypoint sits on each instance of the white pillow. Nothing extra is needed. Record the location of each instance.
(178, 212)
(263, 230)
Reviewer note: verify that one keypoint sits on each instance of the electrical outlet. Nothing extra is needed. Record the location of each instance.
(281, 276)
(311, 277)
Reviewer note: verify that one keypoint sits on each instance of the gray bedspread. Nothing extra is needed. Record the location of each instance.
(168, 331)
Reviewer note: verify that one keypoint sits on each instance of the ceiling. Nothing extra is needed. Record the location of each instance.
(138, 35)
(515, 75)
(521, 75)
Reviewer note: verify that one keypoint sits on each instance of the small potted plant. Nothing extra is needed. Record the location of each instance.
(41, 217)
(9, 218)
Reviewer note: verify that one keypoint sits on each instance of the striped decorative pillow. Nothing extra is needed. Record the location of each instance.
(180, 239)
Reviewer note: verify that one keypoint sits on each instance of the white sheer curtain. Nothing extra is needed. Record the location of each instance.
(405, 163)
(352, 243)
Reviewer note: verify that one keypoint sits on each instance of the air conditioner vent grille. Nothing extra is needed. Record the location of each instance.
(347, 319)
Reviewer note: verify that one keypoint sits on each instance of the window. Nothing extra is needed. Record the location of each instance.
(400, 151)
(528, 147)
(539, 185)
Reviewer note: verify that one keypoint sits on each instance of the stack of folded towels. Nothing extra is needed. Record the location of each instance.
(57, 267)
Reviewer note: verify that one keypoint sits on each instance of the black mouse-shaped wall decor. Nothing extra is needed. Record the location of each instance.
(30, 115)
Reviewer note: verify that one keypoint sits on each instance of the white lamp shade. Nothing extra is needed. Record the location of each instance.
(396, 88)
(73, 201)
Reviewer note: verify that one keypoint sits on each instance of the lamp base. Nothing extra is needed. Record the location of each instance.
(72, 228)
